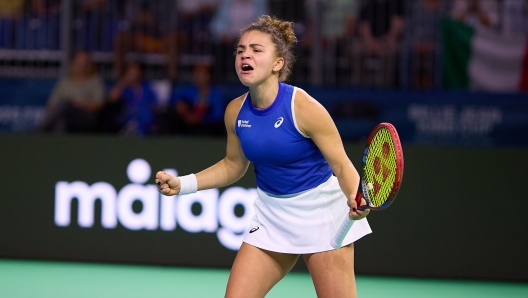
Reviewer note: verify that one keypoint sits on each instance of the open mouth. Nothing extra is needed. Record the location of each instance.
(246, 67)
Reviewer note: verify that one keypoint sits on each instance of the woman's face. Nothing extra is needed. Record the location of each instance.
(202, 75)
(256, 59)
(133, 74)
(81, 64)
(473, 6)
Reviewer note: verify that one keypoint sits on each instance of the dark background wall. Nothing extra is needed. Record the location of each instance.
(460, 212)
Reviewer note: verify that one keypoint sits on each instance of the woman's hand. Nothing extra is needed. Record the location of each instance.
(167, 184)
(355, 213)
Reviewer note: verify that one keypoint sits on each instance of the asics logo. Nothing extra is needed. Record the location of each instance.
(279, 122)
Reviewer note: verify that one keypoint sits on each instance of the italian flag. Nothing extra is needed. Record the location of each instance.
(483, 60)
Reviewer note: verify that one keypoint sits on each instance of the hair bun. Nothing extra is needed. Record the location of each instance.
(283, 37)
(284, 28)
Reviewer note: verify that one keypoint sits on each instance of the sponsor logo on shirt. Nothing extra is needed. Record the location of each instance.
(244, 123)
(254, 229)
(279, 122)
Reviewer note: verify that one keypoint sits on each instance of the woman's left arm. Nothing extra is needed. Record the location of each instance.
(314, 121)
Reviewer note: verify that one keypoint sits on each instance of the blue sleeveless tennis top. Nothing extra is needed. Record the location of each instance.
(285, 161)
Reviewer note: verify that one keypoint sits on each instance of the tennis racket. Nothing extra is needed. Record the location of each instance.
(381, 174)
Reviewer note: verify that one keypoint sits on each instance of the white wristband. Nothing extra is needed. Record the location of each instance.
(188, 184)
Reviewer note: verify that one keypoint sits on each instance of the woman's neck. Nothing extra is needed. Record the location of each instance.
(80, 77)
(136, 84)
(263, 95)
(203, 88)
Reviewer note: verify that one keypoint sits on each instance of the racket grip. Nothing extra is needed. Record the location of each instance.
(337, 241)
(358, 197)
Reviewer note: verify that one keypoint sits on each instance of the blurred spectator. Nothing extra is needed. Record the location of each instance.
(197, 108)
(95, 24)
(46, 7)
(231, 16)
(11, 8)
(380, 30)
(150, 28)
(332, 25)
(194, 18)
(421, 57)
(475, 13)
(43, 26)
(293, 11)
(515, 17)
(136, 101)
(11, 12)
(76, 99)
(337, 18)
(381, 25)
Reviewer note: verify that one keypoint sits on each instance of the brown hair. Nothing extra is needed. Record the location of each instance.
(282, 36)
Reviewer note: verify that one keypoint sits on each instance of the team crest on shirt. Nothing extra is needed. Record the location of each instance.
(244, 123)
(279, 122)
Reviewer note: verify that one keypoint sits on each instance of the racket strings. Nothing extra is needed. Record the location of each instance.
(380, 167)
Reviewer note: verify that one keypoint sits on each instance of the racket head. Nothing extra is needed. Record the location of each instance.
(382, 167)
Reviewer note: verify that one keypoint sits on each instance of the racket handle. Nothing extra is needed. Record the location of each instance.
(358, 197)
(337, 241)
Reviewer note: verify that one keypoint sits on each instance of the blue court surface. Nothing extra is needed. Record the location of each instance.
(43, 279)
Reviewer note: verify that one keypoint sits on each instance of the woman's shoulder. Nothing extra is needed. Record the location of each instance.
(232, 110)
(65, 80)
(234, 106)
(147, 85)
(303, 99)
(307, 108)
(97, 80)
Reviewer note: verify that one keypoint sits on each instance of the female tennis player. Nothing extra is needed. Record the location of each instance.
(304, 177)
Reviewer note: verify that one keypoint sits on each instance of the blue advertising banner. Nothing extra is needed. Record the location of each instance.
(23, 103)
(421, 117)
(431, 117)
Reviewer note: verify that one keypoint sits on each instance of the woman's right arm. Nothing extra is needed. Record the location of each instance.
(227, 171)
(115, 93)
(235, 164)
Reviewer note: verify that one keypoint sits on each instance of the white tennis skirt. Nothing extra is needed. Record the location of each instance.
(303, 223)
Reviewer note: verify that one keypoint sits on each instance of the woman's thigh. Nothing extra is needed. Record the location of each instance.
(255, 271)
(333, 272)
